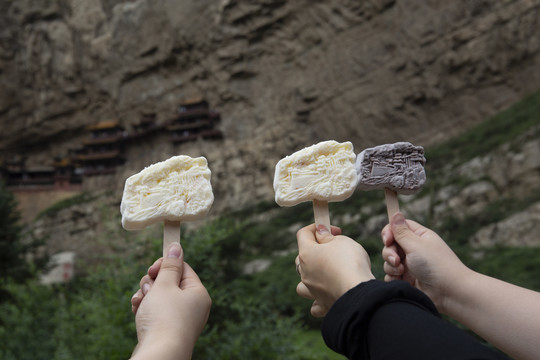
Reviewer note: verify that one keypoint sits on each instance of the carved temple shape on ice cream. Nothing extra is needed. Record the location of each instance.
(177, 189)
(174, 190)
(398, 167)
(324, 171)
(320, 173)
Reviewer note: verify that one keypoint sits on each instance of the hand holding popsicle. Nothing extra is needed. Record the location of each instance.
(169, 318)
(171, 309)
(320, 173)
(397, 168)
(331, 264)
(490, 307)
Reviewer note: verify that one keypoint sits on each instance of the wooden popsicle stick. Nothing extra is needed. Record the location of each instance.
(171, 233)
(322, 216)
(392, 203)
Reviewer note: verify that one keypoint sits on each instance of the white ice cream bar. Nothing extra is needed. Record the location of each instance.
(398, 167)
(177, 189)
(325, 171)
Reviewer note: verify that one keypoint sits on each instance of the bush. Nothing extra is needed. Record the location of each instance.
(90, 318)
(12, 251)
(256, 316)
(25, 322)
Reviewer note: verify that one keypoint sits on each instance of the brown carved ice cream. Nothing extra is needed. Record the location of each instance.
(398, 167)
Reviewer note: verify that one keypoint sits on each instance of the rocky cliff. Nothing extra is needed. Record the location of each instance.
(283, 75)
(489, 199)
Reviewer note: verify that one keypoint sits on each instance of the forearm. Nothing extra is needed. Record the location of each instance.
(505, 315)
(163, 350)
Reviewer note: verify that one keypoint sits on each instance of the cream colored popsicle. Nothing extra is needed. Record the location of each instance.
(174, 190)
(321, 173)
(397, 168)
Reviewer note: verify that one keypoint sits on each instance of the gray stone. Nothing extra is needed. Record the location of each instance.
(256, 266)
(283, 74)
(520, 229)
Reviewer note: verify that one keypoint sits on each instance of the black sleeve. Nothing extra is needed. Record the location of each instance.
(378, 320)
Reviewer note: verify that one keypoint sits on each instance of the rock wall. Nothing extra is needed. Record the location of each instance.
(90, 228)
(283, 75)
(510, 172)
(31, 203)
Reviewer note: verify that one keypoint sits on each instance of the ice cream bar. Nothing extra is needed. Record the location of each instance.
(320, 173)
(397, 168)
(174, 190)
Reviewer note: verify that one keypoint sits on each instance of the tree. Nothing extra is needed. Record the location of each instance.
(12, 263)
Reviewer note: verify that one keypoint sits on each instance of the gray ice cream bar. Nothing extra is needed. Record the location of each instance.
(399, 167)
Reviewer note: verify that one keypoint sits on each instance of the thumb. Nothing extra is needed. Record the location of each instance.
(323, 234)
(172, 266)
(403, 234)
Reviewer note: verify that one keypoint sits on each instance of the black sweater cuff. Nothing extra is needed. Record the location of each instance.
(355, 308)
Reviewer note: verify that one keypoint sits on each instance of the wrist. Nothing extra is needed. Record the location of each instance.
(164, 347)
(455, 294)
(349, 282)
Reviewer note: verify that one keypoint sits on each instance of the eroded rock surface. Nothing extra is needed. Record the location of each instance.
(283, 75)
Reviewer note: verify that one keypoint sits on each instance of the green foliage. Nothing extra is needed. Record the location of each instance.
(314, 348)
(87, 319)
(94, 322)
(25, 322)
(516, 265)
(277, 285)
(12, 263)
(66, 203)
(90, 318)
(254, 316)
(252, 330)
(359, 199)
(488, 135)
(458, 231)
(256, 236)
(247, 321)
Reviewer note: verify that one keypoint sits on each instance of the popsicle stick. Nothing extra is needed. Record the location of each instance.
(322, 216)
(171, 233)
(392, 203)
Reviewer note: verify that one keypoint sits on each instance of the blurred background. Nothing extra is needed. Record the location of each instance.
(92, 91)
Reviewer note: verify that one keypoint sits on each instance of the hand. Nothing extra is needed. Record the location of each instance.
(171, 308)
(418, 255)
(329, 266)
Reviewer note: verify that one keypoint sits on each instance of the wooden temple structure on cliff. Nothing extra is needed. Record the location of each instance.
(104, 149)
(59, 175)
(194, 120)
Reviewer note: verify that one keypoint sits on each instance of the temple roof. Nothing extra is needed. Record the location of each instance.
(104, 125)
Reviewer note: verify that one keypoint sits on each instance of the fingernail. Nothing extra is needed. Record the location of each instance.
(392, 260)
(174, 251)
(384, 239)
(399, 219)
(145, 289)
(322, 230)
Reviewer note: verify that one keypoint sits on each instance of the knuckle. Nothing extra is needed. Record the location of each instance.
(145, 280)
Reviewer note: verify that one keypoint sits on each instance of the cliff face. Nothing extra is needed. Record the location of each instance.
(507, 179)
(283, 75)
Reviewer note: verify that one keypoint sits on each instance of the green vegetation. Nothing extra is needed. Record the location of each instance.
(459, 231)
(485, 137)
(87, 319)
(313, 346)
(66, 203)
(254, 316)
(515, 265)
(12, 264)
